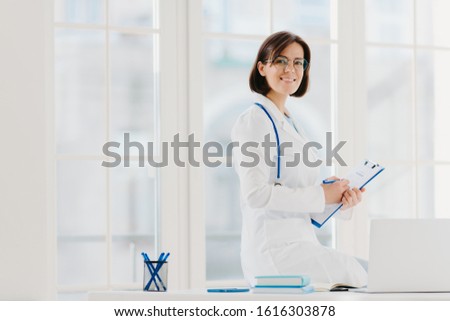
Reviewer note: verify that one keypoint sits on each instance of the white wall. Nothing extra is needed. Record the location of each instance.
(27, 269)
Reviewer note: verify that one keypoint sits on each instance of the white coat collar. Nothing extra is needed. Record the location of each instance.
(278, 115)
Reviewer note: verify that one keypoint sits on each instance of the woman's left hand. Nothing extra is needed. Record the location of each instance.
(352, 197)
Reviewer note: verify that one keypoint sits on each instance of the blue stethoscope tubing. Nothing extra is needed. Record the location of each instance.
(277, 137)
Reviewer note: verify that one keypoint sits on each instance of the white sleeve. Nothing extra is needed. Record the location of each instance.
(256, 189)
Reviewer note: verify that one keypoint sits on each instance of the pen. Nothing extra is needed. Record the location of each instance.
(330, 181)
(230, 290)
(157, 268)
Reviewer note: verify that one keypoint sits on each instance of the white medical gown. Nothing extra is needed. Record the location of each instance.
(277, 234)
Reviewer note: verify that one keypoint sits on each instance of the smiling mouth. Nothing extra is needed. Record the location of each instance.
(288, 79)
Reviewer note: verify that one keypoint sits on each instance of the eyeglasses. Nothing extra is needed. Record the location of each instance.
(282, 62)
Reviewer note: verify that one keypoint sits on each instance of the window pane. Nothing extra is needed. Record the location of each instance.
(433, 77)
(228, 62)
(432, 22)
(433, 191)
(81, 262)
(223, 224)
(389, 95)
(126, 259)
(392, 196)
(133, 84)
(133, 13)
(133, 220)
(223, 260)
(81, 198)
(390, 21)
(80, 91)
(80, 11)
(426, 185)
(236, 16)
(133, 200)
(308, 18)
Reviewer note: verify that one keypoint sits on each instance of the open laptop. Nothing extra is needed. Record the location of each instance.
(409, 255)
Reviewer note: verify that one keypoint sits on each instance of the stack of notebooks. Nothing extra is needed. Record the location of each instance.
(295, 284)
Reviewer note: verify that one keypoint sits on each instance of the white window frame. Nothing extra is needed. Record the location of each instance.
(352, 235)
(182, 216)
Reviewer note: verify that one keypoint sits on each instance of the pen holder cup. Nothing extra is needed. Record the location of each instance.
(155, 276)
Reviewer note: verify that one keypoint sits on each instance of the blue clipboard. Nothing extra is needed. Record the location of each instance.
(366, 171)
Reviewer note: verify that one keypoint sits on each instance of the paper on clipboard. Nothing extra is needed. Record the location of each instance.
(358, 177)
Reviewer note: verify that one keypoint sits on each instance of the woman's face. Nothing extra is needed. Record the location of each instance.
(284, 79)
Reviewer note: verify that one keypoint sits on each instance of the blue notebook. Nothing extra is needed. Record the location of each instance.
(359, 177)
(282, 280)
(283, 290)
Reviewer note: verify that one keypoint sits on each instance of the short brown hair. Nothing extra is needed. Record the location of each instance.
(269, 50)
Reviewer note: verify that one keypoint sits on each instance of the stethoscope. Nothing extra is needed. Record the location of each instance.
(277, 137)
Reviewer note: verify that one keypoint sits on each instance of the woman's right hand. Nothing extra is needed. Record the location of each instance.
(334, 192)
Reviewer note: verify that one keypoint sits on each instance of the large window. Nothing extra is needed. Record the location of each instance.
(106, 79)
(154, 69)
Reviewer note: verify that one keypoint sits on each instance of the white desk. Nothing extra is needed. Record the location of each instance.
(202, 295)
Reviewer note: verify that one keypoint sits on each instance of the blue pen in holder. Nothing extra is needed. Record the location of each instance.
(155, 273)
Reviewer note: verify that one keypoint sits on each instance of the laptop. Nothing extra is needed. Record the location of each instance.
(409, 255)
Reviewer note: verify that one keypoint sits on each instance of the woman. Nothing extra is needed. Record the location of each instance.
(276, 203)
